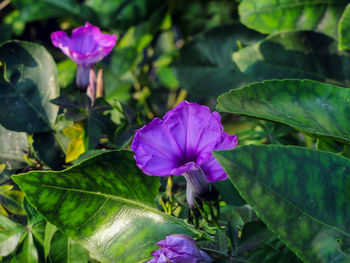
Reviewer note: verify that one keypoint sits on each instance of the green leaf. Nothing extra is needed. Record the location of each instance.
(10, 235)
(12, 200)
(50, 230)
(123, 15)
(28, 84)
(28, 254)
(66, 72)
(258, 244)
(306, 55)
(206, 70)
(344, 29)
(106, 204)
(40, 10)
(228, 193)
(313, 107)
(270, 16)
(65, 250)
(301, 194)
(13, 144)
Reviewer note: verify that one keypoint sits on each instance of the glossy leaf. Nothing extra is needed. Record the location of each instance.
(66, 250)
(270, 16)
(313, 107)
(201, 63)
(344, 29)
(13, 146)
(10, 235)
(28, 83)
(29, 253)
(301, 194)
(106, 204)
(306, 55)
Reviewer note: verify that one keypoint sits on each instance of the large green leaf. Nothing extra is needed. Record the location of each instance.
(314, 107)
(10, 235)
(106, 204)
(344, 29)
(28, 83)
(65, 250)
(295, 55)
(13, 144)
(205, 67)
(301, 194)
(270, 16)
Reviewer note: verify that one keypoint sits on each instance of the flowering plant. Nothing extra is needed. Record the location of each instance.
(125, 159)
(182, 144)
(85, 47)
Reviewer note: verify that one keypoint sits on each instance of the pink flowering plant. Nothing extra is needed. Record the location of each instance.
(211, 131)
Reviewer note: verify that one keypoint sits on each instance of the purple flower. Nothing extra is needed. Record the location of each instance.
(181, 144)
(86, 47)
(179, 248)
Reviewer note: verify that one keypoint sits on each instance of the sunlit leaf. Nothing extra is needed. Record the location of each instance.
(104, 203)
(314, 107)
(344, 29)
(10, 235)
(269, 16)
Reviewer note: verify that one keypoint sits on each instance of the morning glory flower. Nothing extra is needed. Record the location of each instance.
(182, 144)
(179, 248)
(85, 47)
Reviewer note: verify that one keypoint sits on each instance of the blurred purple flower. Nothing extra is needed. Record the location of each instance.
(181, 144)
(179, 248)
(86, 47)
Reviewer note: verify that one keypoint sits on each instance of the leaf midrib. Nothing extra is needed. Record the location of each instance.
(117, 198)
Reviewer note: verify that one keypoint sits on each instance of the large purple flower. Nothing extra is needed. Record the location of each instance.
(85, 47)
(182, 144)
(179, 248)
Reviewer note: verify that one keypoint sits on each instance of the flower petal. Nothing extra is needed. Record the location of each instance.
(212, 169)
(156, 152)
(61, 40)
(87, 45)
(195, 129)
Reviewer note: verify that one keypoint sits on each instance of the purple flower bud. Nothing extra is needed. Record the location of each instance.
(182, 143)
(179, 248)
(86, 47)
